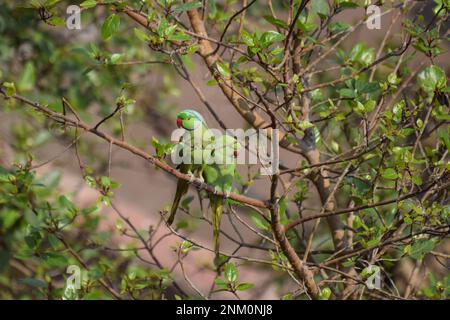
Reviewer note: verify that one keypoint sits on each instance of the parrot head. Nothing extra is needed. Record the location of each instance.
(190, 120)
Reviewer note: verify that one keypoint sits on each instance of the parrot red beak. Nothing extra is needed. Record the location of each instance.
(179, 122)
(236, 153)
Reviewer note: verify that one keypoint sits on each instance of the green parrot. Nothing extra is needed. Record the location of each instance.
(213, 160)
(193, 122)
(220, 174)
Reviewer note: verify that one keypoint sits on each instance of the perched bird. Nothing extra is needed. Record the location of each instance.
(193, 123)
(213, 159)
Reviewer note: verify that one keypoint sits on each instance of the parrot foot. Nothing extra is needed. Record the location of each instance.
(202, 183)
(191, 177)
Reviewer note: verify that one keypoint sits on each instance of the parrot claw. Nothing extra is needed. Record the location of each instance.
(227, 194)
(216, 191)
(191, 177)
(202, 183)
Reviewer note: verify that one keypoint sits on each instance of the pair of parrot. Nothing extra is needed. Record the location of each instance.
(219, 173)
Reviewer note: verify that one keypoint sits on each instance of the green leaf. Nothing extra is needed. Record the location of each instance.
(260, 222)
(288, 296)
(221, 283)
(10, 89)
(444, 136)
(50, 3)
(5, 257)
(30, 241)
(186, 201)
(182, 224)
(432, 78)
(390, 174)
(317, 137)
(244, 286)
(373, 242)
(106, 181)
(361, 187)
(53, 240)
(110, 26)
(248, 39)
(348, 263)
(212, 8)
(361, 54)
(51, 179)
(338, 27)
(325, 294)
(393, 78)
(347, 93)
(320, 7)
(186, 246)
(417, 180)
(370, 87)
(179, 36)
(356, 51)
(230, 272)
(358, 223)
(66, 204)
(334, 146)
(282, 209)
(369, 106)
(33, 282)
(305, 124)
(223, 69)
(27, 78)
(187, 6)
(419, 123)
(165, 29)
(88, 4)
(56, 21)
(306, 28)
(162, 149)
(87, 211)
(115, 58)
(370, 271)
(420, 248)
(141, 35)
(55, 260)
(344, 4)
(276, 22)
(270, 37)
(9, 217)
(359, 107)
(367, 56)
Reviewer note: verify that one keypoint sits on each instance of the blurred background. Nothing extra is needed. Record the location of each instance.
(47, 62)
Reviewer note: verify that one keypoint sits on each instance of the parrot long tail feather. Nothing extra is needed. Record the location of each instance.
(216, 208)
(182, 188)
